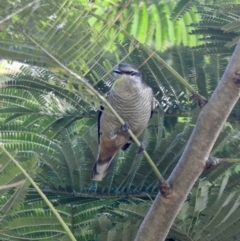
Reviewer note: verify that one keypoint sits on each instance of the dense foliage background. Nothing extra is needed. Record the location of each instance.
(52, 51)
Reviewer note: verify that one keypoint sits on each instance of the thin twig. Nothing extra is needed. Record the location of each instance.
(15, 184)
(158, 58)
(18, 11)
(95, 92)
(66, 228)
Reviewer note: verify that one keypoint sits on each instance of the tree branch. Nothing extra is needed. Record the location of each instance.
(212, 117)
(106, 103)
(43, 196)
(12, 185)
(201, 100)
(214, 162)
(18, 11)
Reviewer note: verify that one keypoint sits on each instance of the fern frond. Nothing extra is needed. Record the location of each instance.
(181, 8)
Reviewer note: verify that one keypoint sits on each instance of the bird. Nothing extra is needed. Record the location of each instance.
(134, 101)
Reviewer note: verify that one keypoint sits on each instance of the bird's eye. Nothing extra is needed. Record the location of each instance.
(132, 73)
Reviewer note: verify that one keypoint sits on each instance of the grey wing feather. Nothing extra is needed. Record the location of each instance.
(154, 105)
(98, 123)
(99, 117)
(126, 146)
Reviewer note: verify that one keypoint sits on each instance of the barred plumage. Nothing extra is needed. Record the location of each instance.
(134, 102)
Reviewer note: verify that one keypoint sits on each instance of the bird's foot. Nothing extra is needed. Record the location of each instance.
(165, 188)
(122, 128)
(125, 127)
(141, 148)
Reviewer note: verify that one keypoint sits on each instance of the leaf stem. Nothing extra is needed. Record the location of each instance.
(18, 11)
(64, 225)
(151, 163)
(158, 58)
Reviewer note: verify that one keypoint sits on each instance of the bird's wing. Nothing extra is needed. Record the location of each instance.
(154, 105)
(99, 119)
(126, 146)
(98, 123)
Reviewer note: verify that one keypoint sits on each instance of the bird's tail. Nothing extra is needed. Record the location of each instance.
(100, 168)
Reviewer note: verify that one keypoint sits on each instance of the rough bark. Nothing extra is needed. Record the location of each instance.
(211, 119)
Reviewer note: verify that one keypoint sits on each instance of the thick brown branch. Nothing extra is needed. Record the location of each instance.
(212, 117)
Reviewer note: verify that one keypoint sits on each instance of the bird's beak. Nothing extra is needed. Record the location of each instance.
(117, 71)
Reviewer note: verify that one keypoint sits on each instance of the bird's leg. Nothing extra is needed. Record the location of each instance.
(141, 148)
(122, 128)
(125, 127)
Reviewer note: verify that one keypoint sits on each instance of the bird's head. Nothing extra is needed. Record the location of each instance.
(127, 71)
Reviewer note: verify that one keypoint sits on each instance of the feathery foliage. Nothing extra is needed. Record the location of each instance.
(48, 116)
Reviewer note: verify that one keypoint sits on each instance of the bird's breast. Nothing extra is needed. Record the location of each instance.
(134, 107)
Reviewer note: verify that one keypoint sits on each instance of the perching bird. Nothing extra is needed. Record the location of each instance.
(134, 102)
